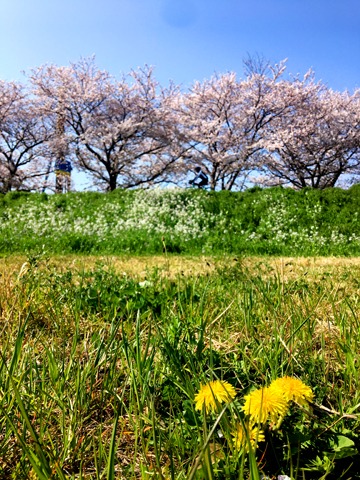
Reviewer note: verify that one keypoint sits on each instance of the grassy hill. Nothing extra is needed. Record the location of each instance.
(274, 221)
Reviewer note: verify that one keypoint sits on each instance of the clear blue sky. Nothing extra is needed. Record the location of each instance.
(185, 40)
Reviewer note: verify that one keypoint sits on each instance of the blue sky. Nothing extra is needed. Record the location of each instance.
(185, 40)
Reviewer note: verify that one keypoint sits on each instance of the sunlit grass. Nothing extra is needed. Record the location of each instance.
(271, 221)
(286, 268)
(102, 359)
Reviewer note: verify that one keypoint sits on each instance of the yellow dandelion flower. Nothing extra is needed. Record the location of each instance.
(265, 404)
(213, 393)
(293, 389)
(248, 435)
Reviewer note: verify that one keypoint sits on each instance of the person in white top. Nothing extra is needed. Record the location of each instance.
(200, 180)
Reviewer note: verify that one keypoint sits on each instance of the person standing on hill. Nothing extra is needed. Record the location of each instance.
(63, 175)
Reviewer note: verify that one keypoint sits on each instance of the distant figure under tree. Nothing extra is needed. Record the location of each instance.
(63, 175)
(200, 180)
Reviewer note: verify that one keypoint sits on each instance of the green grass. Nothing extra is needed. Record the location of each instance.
(274, 221)
(99, 370)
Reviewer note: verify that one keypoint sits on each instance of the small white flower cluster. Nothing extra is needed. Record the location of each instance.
(169, 212)
(159, 211)
(165, 212)
(281, 226)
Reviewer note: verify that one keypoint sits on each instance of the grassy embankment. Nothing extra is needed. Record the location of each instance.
(256, 222)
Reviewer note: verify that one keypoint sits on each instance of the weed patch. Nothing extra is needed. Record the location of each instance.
(274, 221)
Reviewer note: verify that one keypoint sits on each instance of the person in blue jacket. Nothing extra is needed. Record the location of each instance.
(63, 170)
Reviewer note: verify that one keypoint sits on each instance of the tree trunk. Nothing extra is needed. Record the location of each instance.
(112, 181)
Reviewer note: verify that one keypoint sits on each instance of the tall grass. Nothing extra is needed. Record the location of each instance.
(99, 372)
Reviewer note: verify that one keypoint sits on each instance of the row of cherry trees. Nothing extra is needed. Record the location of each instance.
(131, 132)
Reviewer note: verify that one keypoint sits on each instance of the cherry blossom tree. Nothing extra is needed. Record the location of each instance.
(23, 137)
(132, 132)
(220, 123)
(206, 126)
(316, 139)
(118, 131)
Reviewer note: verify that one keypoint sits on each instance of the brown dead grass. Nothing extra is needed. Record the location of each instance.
(286, 268)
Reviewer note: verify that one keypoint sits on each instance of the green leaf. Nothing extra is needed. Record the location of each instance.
(342, 446)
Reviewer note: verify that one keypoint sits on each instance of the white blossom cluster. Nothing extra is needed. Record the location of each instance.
(165, 211)
(280, 226)
(159, 211)
(173, 214)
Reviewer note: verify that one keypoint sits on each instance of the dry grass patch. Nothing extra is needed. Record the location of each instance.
(286, 268)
